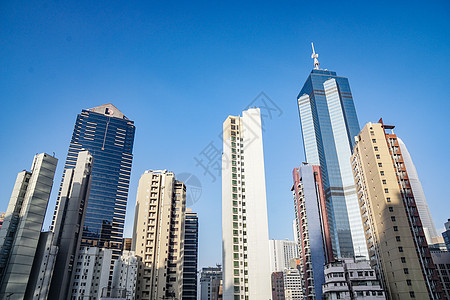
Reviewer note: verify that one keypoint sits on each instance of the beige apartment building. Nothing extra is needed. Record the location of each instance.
(158, 235)
(394, 234)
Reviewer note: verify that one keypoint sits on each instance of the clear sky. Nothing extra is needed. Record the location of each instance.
(179, 69)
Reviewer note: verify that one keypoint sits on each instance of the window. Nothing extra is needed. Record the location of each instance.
(386, 191)
(380, 165)
(405, 270)
(391, 209)
(411, 294)
(388, 199)
(378, 156)
(403, 260)
(393, 218)
(384, 181)
(395, 228)
(400, 249)
(382, 173)
(374, 140)
(375, 148)
(397, 238)
(408, 282)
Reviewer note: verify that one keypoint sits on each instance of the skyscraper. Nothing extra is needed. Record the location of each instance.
(419, 195)
(69, 219)
(108, 134)
(19, 235)
(314, 241)
(329, 123)
(245, 234)
(190, 255)
(158, 235)
(395, 238)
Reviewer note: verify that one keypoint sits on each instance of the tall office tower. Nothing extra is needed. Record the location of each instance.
(329, 124)
(19, 235)
(190, 255)
(91, 273)
(69, 220)
(245, 233)
(419, 196)
(158, 235)
(125, 276)
(281, 252)
(446, 234)
(351, 279)
(314, 239)
(210, 279)
(395, 238)
(108, 135)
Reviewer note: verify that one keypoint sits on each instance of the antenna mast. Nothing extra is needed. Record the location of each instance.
(315, 56)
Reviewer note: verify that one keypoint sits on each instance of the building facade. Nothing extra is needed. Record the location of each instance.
(277, 285)
(42, 271)
(292, 284)
(108, 135)
(395, 238)
(329, 123)
(158, 235)
(419, 196)
(351, 279)
(210, 279)
(190, 255)
(245, 232)
(442, 261)
(446, 234)
(19, 235)
(69, 220)
(124, 276)
(281, 252)
(312, 228)
(91, 273)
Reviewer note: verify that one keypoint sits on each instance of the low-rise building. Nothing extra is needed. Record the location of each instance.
(210, 281)
(351, 279)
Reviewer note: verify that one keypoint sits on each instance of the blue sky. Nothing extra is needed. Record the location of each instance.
(179, 69)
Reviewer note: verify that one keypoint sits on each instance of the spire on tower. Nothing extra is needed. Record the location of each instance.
(315, 56)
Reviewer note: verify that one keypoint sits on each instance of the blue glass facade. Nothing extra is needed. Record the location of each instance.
(190, 256)
(329, 124)
(109, 136)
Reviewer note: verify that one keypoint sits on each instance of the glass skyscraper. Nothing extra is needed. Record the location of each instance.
(329, 125)
(108, 134)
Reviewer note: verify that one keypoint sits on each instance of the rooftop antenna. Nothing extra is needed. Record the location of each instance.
(315, 56)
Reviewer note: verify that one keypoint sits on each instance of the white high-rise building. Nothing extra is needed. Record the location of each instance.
(421, 202)
(245, 234)
(125, 276)
(91, 273)
(281, 252)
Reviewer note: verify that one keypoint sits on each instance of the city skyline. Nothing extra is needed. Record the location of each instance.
(401, 76)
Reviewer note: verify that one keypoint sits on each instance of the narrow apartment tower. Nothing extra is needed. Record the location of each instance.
(329, 124)
(158, 235)
(190, 255)
(68, 225)
(245, 233)
(312, 226)
(395, 238)
(108, 135)
(22, 226)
